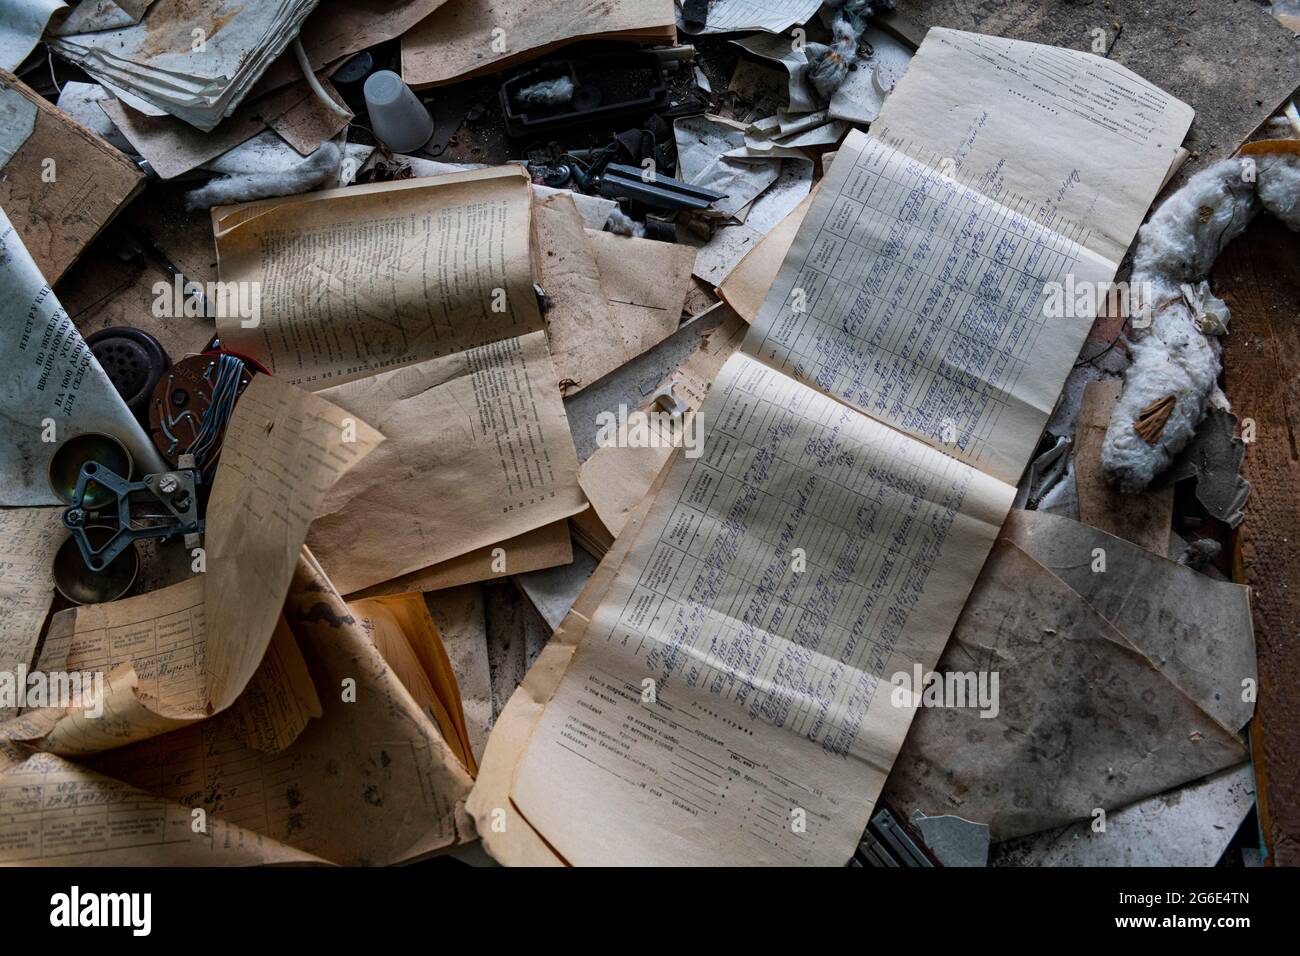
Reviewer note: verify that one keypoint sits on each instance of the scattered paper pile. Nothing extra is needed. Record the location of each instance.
(193, 61)
(602, 529)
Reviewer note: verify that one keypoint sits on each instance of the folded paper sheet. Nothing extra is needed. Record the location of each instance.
(195, 647)
(371, 781)
(1195, 630)
(173, 147)
(21, 24)
(412, 304)
(612, 297)
(774, 16)
(478, 451)
(729, 701)
(544, 547)
(57, 813)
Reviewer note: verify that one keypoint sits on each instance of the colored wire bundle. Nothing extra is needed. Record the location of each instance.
(207, 442)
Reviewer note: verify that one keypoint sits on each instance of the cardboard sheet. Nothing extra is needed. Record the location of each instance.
(1081, 718)
(62, 185)
(1143, 518)
(465, 38)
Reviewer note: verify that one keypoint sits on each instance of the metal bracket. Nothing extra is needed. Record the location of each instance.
(176, 491)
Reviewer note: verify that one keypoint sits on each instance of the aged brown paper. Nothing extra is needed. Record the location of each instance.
(612, 297)
(546, 547)
(645, 283)
(370, 782)
(477, 450)
(283, 451)
(464, 38)
(29, 537)
(182, 653)
(402, 629)
(358, 280)
(616, 478)
(56, 813)
(746, 286)
(58, 216)
(411, 304)
(1083, 718)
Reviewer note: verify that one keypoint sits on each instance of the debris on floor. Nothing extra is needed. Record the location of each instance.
(652, 432)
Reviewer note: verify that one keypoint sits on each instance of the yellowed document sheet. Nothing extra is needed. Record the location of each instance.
(182, 653)
(729, 702)
(283, 452)
(370, 782)
(411, 305)
(29, 537)
(56, 813)
(915, 289)
(357, 280)
(546, 547)
(466, 37)
(767, 680)
(477, 450)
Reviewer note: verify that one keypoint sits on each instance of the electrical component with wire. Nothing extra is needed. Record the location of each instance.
(192, 405)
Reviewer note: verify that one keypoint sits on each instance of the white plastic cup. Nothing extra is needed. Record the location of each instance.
(397, 116)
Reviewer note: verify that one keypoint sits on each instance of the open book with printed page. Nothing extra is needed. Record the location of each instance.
(729, 701)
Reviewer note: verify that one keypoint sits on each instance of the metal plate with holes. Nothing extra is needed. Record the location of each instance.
(180, 400)
(134, 362)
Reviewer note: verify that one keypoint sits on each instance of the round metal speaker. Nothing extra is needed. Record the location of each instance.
(65, 467)
(133, 360)
(80, 585)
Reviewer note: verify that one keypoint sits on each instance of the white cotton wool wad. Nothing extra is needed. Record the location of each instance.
(322, 165)
(1172, 354)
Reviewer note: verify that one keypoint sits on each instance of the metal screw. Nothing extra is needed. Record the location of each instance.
(168, 483)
